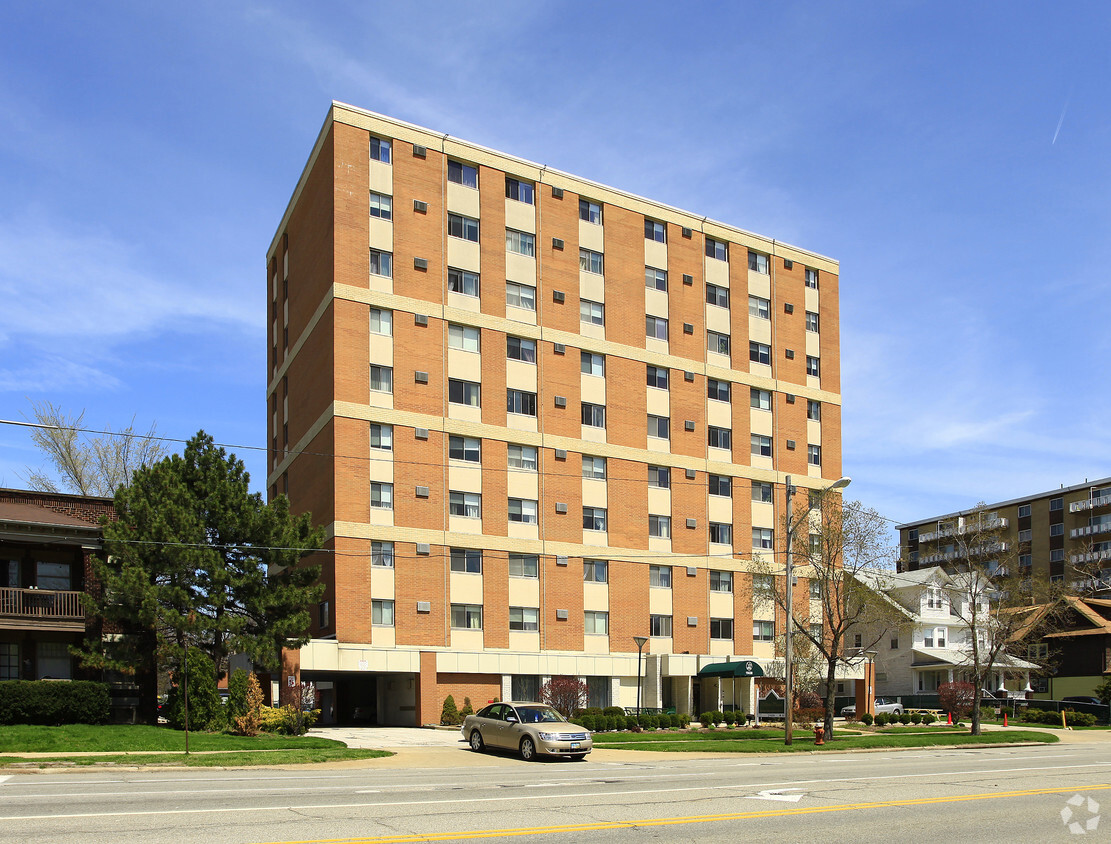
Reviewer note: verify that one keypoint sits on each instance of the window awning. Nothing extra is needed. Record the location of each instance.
(746, 668)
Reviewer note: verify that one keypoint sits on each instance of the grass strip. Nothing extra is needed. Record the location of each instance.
(200, 760)
(668, 735)
(806, 744)
(122, 738)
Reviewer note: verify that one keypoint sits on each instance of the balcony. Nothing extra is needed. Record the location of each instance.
(1101, 499)
(1090, 557)
(42, 609)
(1090, 530)
(947, 530)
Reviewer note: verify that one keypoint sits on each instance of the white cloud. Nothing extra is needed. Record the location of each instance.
(51, 373)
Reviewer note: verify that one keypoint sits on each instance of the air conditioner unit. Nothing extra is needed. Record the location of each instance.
(692, 571)
(420, 206)
(561, 615)
(561, 561)
(692, 523)
(788, 308)
(420, 377)
(690, 473)
(688, 425)
(790, 397)
(424, 606)
(561, 507)
(419, 151)
(687, 232)
(559, 348)
(790, 354)
(692, 621)
(561, 401)
(420, 433)
(788, 264)
(558, 296)
(557, 243)
(557, 193)
(688, 328)
(688, 376)
(424, 549)
(688, 279)
(422, 492)
(420, 319)
(420, 263)
(561, 454)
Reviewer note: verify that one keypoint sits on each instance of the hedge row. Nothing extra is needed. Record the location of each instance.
(608, 723)
(48, 702)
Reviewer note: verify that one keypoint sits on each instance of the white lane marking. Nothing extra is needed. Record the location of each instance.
(776, 794)
(3, 779)
(504, 798)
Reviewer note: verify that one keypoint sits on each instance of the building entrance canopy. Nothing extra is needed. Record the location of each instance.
(748, 668)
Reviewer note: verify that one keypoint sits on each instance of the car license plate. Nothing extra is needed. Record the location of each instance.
(574, 745)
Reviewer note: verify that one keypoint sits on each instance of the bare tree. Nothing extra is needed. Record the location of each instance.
(833, 542)
(84, 462)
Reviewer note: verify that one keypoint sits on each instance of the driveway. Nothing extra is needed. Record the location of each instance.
(390, 738)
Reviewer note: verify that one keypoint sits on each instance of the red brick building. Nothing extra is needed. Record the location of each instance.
(538, 416)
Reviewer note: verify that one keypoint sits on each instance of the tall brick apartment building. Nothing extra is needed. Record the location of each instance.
(538, 417)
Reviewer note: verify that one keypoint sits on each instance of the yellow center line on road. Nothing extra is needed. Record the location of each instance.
(732, 816)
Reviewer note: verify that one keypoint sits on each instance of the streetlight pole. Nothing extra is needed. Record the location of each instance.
(788, 667)
(640, 640)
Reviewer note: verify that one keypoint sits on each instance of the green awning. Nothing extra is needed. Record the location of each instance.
(748, 668)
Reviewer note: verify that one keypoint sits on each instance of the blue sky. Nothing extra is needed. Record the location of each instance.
(952, 156)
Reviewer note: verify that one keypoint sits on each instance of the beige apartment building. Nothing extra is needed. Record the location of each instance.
(538, 417)
(1063, 534)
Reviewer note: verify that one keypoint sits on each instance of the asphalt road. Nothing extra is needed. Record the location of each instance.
(985, 794)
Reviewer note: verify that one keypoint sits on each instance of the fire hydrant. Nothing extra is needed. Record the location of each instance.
(819, 735)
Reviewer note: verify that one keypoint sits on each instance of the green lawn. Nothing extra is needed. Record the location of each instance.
(743, 743)
(162, 745)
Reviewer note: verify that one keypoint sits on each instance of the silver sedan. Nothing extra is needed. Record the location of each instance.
(534, 730)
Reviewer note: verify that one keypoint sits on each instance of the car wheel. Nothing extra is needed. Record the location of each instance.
(477, 745)
(528, 749)
(898, 710)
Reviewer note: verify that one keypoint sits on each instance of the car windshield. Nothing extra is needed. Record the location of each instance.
(537, 714)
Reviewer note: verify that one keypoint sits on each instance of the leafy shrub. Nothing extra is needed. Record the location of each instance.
(928, 718)
(565, 694)
(1080, 719)
(882, 719)
(719, 716)
(684, 720)
(587, 721)
(642, 720)
(706, 718)
(247, 724)
(867, 719)
(916, 718)
(450, 714)
(613, 710)
(956, 698)
(620, 722)
(467, 708)
(236, 704)
(287, 720)
(904, 718)
(206, 711)
(611, 722)
(47, 702)
(809, 700)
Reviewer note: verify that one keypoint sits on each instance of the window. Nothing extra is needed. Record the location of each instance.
(590, 261)
(1057, 530)
(1038, 651)
(813, 410)
(759, 307)
(520, 296)
(816, 632)
(591, 212)
(655, 327)
(660, 527)
(518, 190)
(1025, 535)
(466, 616)
(657, 377)
(659, 576)
(594, 467)
(594, 415)
(811, 321)
(464, 337)
(757, 262)
(760, 399)
(381, 263)
(815, 545)
(462, 174)
(462, 282)
(717, 342)
(762, 539)
(894, 643)
(811, 278)
(466, 560)
(464, 392)
(1025, 561)
(721, 628)
(858, 640)
(381, 322)
(814, 455)
(721, 581)
(1057, 555)
(522, 510)
(519, 401)
(721, 485)
(519, 348)
(655, 279)
(381, 613)
(717, 249)
(381, 378)
(762, 492)
(596, 623)
(762, 585)
(812, 366)
(721, 533)
(935, 598)
(595, 571)
(9, 661)
(1024, 511)
(659, 477)
(381, 436)
(763, 631)
(717, 390)
(658, 427)
(462, 227)
(381, 206)
(592, 364)
(521, 243)
(381, 554)
(592, 313)
(381, 496)
(717, 295)
(761, 445)
(380, 150)
(466, 504)
(522, 457)
(655, 230)
(524, 565)
(759, 352)
(719, 437)
(1056, 504)
(524, 618)
(660, 625)
(594, 518)
(465, 448)
(815, 588)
